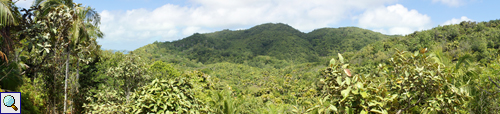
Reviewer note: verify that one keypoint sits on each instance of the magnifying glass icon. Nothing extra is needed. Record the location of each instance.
(9, 101)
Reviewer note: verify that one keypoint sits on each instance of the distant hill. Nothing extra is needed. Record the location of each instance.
(123, 51)
(271, 40)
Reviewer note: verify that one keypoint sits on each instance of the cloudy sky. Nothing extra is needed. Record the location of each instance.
(130, 24)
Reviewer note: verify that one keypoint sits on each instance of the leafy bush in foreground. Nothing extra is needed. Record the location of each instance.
(174, 95)
(410, 84)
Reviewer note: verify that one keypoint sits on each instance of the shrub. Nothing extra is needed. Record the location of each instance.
(410, 84)
(173, 95)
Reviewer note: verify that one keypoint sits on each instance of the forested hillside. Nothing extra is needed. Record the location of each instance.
(479, 40)
(49, 53)
(278, 41)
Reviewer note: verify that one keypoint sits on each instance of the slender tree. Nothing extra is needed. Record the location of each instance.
(83, 27)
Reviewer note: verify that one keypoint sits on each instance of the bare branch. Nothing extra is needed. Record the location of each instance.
(493, 82)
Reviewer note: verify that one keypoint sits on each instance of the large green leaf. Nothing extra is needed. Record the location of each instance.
(333, 108)
(345, 93)
(341, 59)
(364, 94)
(332, 62)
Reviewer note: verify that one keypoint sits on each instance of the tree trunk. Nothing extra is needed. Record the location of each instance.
(7, 42)
(76, 85)
(128, 93)
(53, 93)
(66, 81)
(34, 86)
(77, 74)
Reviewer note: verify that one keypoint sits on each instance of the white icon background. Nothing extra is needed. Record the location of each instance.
(5, 109)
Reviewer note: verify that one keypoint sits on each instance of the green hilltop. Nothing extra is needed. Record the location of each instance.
(277, 41)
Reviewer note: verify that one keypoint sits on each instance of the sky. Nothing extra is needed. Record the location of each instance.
(130, 24)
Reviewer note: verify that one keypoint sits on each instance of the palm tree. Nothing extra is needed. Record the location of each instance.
(8, 17)
(85, 31)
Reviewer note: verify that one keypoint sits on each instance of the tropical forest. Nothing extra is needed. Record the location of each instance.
(50, 53)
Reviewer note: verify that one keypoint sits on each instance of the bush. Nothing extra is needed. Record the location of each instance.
(172, 95)
(410, 84)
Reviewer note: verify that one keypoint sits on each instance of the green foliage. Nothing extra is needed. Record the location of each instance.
(9, 78)
(223, 103)
(423, 84)
(452, 40)
(129, 74)
(414, 84)
(106, 100)
(35, 40)
(173, 95)
(267, 62)
(33, 99)
(29, 107)
(275, 109)
(485, 89)
(328, 41)
(117, 76)
(163, 70)
(343, 92)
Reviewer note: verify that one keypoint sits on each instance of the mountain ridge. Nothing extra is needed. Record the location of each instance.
(277, 40)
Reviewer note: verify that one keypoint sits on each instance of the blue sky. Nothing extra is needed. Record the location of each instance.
(130, 24)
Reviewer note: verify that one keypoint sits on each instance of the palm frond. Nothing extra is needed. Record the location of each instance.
(37, 2)
(463, 60)
(92, 16)
(3, 57)
(68, 3)
(6, 14)
(94, 31)
(48, 5)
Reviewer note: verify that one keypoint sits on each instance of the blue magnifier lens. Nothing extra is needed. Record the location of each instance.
(8, 100)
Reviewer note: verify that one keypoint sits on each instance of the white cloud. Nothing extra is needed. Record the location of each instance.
(24, 3)
(456, 21)
(172, 22)
(394, 19)
(454, 3)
